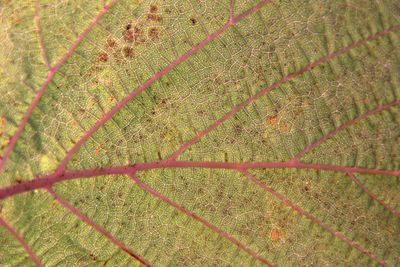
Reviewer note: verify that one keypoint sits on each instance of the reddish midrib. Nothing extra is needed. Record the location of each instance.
(208, 225)
(96, 227)
(314, 219)
(48, 180)
(155, 78)
(26, 246)
(46, 83)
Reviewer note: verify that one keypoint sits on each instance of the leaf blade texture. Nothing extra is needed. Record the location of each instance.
(212, 133)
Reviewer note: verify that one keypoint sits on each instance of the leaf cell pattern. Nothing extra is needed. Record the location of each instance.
(199, 132)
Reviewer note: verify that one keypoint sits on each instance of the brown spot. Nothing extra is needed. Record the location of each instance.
(306, 189)
(238, 129)
(138, 34)
(82, 110)
(276, 235)
(283, 127)
(154, 33)
(128, 36)
(128, 27)
(117, 55)
(128, 52)
(2, 125)
(153, 9)
(2, 122)
(111, 43)
(272, 120)
(103, 57)
(98, 149)
(94, 258)
(194, 21)
(154, 17)
(18, 180)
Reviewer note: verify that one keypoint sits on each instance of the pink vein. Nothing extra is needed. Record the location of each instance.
(96, 227)
(27, 248)
(374, 197)
(155, 78)
(208, 225)
(46, 83)
(231, 7)
(48, 180)
(40, 34)
(346, 125)
(266, 90)
(314, 219)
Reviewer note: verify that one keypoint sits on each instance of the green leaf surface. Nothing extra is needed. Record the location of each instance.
(199, 133)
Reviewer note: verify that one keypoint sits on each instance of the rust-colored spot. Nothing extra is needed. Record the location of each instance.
(98, 150)
(18, 180)
(276, 234)
(138, 35)
(272, 120)
(283, 127)
(154, 33)
(117, 55)
(193, 21)
(2, 122)
(153, 9)
(128, 26)
(128, 52)
(154, 17)
(390, 231)
(94, 258)
(5, 143)
(128, 36)
(111, 43)
(2, 125)
(103, 57)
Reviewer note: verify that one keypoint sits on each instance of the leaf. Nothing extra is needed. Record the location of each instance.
(209, 133)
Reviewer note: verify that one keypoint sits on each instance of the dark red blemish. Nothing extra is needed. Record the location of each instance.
(138, 35)
(128, 36)
(128, 52)
(117, 55)
(164, 101)
(153, 9)
(154, 17)
(193, 21)
(103, 57)
(111, 43)
(128, 27)
(94, 258)
(154, 33)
